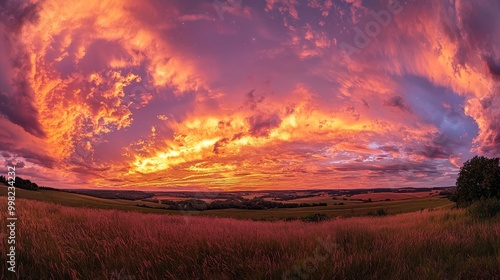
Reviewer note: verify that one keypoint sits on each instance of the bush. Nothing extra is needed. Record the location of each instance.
(379, 212)
(485, 208)
(316, 217)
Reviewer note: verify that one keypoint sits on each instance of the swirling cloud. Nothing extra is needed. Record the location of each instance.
(261, 94)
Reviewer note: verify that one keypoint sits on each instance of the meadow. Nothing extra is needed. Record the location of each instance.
(61, 242)
(350, 207)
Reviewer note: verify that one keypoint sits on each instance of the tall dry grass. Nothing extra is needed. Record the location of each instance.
(56, 242)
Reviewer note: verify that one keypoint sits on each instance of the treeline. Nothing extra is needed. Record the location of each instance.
(21, 183)
(199, 195)
(249, 204)
(350, 192)
(287, 196)
(115, 194)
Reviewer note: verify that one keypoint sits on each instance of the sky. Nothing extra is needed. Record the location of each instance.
(247, 95)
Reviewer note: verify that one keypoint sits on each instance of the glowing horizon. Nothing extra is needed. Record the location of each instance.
(247, 95)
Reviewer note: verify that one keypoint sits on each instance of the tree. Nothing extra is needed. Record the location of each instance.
(479, 178)
(25, 184)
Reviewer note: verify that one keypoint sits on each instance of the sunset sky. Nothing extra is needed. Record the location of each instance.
(247, 95)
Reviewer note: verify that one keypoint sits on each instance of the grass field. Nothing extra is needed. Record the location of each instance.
(393, 196)
(59, 242)
(349, 209)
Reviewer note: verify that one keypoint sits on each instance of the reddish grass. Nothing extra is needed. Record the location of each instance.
(56, 242)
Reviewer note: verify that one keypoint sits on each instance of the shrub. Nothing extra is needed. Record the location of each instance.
(316, 217)
(485, 208)
(379, 212)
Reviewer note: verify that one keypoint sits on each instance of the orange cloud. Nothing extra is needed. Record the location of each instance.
(165, 94)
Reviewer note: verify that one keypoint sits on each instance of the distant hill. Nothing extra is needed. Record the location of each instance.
(114, 194)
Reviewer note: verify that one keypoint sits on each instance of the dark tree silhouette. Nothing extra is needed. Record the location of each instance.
(21, 183)
(479, 178)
